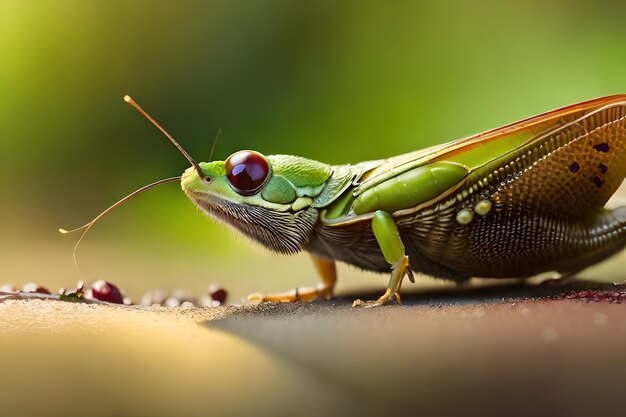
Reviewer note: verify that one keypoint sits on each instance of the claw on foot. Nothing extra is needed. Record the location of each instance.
(366, 304)
(376, 303)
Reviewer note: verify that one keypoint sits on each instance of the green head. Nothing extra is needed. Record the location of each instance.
(267, 198)
(270, 199)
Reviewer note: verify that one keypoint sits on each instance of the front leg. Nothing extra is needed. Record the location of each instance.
(328, 275)
(391, 245)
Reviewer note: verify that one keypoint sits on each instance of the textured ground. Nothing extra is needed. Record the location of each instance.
(482, 352)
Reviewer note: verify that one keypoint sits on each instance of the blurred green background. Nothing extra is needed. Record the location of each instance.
(335, 81)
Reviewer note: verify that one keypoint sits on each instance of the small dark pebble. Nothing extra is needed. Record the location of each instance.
(105, 291)
(218, 293)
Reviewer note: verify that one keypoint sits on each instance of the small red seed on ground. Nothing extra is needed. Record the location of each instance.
(218, 293)
(105, 291)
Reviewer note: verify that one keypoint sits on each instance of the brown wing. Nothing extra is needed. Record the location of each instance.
(576, 169)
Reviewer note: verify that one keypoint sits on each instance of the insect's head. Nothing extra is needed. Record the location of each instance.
(267, 198)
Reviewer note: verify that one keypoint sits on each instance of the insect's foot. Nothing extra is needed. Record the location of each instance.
(376, 303)
(367, 304)
(299, 294)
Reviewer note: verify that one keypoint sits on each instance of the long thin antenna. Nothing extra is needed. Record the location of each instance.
(105, 212)
(217, 136)
(133, 103)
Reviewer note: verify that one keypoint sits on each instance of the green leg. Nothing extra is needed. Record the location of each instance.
(391, 245)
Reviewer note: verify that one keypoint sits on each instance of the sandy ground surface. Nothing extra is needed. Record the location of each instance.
(486, 351)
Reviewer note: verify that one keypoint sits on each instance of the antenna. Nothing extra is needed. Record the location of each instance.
(133, 103)
(105, 212)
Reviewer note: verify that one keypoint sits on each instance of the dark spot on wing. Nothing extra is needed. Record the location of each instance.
(598, 181)
(603, 168)
(601, 147)
(574, 167)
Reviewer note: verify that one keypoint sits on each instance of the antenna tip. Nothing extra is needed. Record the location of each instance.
(128, 98)
(63, 231)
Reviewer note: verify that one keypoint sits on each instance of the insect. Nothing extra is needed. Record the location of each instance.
(508, 203)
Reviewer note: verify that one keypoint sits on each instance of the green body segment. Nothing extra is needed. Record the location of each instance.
(387, 236)
(341, 206)
(410, 188)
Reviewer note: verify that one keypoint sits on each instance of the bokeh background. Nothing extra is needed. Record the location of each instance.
(335, 81)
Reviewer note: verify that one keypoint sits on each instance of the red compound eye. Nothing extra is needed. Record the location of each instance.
(247, 171)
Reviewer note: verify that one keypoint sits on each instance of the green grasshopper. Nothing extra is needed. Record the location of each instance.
(508, 203)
